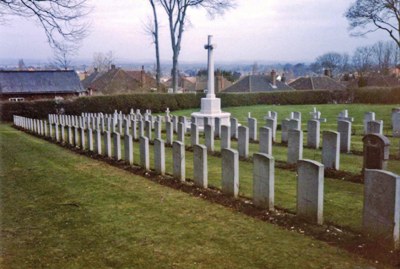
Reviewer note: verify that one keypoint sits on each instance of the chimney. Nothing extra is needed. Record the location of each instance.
(283, 78)
(273, 77)
(113, 66)
(328, 72)
(142, 77)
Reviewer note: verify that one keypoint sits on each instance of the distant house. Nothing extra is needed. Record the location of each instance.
(44, 84)
(259, 83)
(374, 80)
(199, 83)
(316, 83)
(117, 81)
(220, 82)
(185, 84)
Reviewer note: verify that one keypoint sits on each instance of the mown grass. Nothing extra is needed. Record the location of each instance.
(62, 210)
(329, 111)
(342, 203)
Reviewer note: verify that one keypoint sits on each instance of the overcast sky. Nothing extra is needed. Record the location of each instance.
(257, 30)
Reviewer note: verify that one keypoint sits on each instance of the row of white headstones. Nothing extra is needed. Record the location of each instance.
(333, 142)
(381, 190)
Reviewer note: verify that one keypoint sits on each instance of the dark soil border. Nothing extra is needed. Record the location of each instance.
(342, 237)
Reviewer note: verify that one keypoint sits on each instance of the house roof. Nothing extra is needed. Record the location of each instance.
(92, 77)
(199, 83)
(186, 83)
(117, 80)
(44, 81)
(316, 83)
(114, 81)
(257, 83)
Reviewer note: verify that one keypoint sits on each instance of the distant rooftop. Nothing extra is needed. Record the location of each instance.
(316, 83)
(258, 83)
(44, 81)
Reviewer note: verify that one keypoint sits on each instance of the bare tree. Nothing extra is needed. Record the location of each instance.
(151, 28)
(21, 64)
(380, 14)
(62, 59)
(177, 11)
(334, 61)
(103, 61)
(363, 59)
(254, 68)
(385, 55)
(60, 19)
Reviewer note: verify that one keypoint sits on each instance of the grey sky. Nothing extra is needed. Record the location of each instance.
(257, 30)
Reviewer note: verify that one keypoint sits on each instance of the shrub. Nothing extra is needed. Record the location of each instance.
(160, 102)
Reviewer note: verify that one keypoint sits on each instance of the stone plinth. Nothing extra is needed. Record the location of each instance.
(223, 116)
(210, 106)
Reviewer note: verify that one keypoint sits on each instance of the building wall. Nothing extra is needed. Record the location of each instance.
(34, 97)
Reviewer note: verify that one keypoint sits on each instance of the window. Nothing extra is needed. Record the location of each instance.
(16, 99)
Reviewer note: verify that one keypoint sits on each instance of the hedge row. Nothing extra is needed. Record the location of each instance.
(105, 104)
(376, 95)
(160, 102)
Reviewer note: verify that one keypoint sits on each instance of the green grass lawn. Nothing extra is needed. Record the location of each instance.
(62, 210)
(342, 201)
(329, 111)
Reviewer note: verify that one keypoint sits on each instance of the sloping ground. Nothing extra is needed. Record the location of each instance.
(62, 210)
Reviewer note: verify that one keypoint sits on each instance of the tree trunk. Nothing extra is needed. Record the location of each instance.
(174, 71)
(156, 44)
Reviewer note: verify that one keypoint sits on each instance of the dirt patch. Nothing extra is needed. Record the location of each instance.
(341, 237)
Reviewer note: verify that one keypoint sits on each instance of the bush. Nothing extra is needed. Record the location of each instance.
(105, 104)
(375, 95)
(160, 102)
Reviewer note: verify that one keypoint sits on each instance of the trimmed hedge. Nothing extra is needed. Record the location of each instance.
(372, 95)
(285, 98)
(160, 102)
(105, 104)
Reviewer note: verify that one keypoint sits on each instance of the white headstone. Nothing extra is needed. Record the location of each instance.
(381, 213)
(310, 190)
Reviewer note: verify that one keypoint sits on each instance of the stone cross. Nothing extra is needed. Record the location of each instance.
(316, 115)
(271, 115)
(344, 115)
(210, 84)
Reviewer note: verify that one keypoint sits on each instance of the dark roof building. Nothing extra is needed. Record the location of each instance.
(258, 83)
(92, 77)
(316, 83)
(199, 83)
(117, 80)
(33, 85)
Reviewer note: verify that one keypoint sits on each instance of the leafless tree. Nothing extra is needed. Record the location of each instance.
(151, 28)
(385, 55)
(378, 14)
(177, 12)
(62, 59)
(363, 59)
(103, 61)
(254, 68)
(21, 64)
(60, 19)
(334, 61)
